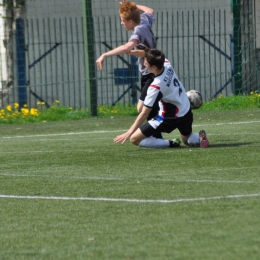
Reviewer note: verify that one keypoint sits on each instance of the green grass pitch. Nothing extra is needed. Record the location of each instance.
(68, 192)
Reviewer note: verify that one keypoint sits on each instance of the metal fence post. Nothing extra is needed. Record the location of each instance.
(21, 62)
(237, 46)
(89, 50)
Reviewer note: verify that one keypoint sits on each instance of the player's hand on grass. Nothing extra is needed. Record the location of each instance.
(122, 138)
(100, 62)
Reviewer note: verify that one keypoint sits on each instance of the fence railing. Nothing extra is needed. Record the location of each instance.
(199, 44)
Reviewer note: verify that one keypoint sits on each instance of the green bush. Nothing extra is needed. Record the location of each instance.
(14, 114)
(232, 102)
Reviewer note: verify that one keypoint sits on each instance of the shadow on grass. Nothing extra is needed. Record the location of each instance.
(212, 145)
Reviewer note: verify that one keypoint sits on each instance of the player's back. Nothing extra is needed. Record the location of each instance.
(146, 39)
(174, 98)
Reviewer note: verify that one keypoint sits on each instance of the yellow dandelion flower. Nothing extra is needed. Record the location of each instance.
(9, 108)
(25, 105)
(25, 111)
(34, 112)
(16, 105)
(39, 102)
(57, 101)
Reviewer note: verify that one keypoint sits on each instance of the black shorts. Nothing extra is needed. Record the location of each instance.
(146, 81)
(165, 125)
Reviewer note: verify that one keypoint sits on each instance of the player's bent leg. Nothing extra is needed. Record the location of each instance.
(148, 130)
(137, 137)
(184, 139)
(153, 114)
(193, 139)
(196, 139)
(152, 142)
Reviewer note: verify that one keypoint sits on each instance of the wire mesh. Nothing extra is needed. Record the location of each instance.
(214, 48)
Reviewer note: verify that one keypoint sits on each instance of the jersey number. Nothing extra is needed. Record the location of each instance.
(176, 83)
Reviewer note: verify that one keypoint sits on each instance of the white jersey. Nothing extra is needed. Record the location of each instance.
(169, 92)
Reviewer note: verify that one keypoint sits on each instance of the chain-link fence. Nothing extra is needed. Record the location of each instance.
(50, 52)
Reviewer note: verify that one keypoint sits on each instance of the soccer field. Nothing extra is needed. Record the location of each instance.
(68, 192)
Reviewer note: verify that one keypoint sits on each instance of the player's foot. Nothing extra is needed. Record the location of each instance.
(204, 142)
(176, 142)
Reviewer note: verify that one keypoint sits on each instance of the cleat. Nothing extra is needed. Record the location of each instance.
(204, 142)
(176, 142)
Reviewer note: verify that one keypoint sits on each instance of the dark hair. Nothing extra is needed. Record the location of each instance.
(154, 57)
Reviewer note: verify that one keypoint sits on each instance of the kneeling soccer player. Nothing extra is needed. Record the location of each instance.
(174, 108)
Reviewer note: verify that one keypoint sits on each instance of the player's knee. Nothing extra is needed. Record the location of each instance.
(134, 140)
(185, 139)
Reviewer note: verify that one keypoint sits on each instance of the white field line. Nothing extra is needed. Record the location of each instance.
(231, 123)
(3, 196)
(62, 134)
(143, 180)
(202, 181)
(212, 169)
(122, 130)
(64, 177)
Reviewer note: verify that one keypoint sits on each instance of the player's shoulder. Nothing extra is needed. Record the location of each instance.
(147, 18)
(167, 62)
(142, 30)
(157, 81)
(168, 65)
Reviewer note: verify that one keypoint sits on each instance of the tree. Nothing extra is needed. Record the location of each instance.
(12, 9)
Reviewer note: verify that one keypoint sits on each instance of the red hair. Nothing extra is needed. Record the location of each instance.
(129, 11)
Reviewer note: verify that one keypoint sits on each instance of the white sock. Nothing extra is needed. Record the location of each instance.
(194, 139)
(152, 142)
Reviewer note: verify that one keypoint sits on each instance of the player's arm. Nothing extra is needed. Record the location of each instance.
(142, 8)
(137, 53)
(140, 105)
(138, 122)
(140, 119)
(145, 9)
(117, 51)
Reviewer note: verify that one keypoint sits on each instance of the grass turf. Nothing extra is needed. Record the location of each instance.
(79, 162)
